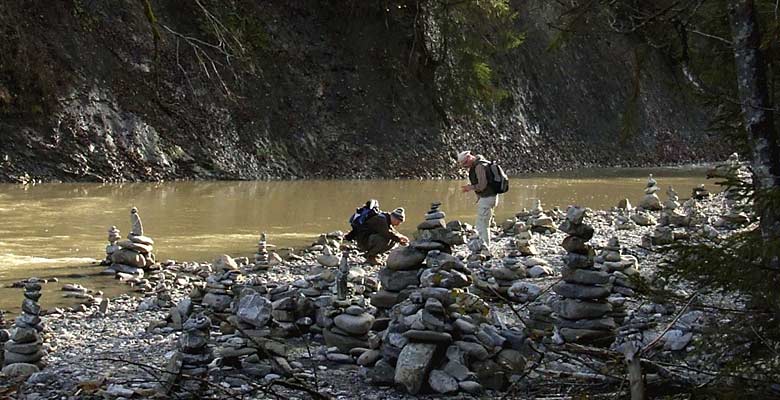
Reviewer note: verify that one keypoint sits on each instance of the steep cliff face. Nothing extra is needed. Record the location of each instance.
(309, 89)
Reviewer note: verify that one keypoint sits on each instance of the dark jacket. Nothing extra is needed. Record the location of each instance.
(378, 224)
(480, 177)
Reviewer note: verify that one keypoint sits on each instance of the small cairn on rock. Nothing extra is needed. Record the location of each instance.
(581, 313)
(670, 215)
(23, 352)
(264, 259)
(732, 170)
(346, 322)
(623, 219)
(112, 247)
(539, 221)
(495, 280)
(651, 201)
(611, 260)
(524, 240)
(194, 353)
(135, 253)
(433, 234)
(218, 294)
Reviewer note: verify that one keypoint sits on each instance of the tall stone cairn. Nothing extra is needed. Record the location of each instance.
(135, 254)
(651, 201)
(194, 354)
(4, 333)
(582, 311)
(25, 344)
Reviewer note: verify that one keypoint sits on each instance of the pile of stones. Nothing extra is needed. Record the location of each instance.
(347, 326)
(539, 221)
(23, 351)
(670, 215)
(442, 340)
(623, 219)
(112, 247)
(194, 354)
(495, 278)
(134, 255)
(433, 233)
(581, 313)
(399, 276)
(524, 240)
(217, 294)
(264, 259)
(651, 201)
(732, 169)
(4, 333)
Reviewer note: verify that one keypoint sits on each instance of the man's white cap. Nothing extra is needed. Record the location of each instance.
(462, 156)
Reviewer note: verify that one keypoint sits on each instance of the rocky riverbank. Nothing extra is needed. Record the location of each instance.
(321, 322)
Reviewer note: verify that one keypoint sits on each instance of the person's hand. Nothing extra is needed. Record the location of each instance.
(465, 188)
(404, 240)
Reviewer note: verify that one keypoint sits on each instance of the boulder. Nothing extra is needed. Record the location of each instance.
(405, 258)
(398, 280)
(354, 324)
(441, 382)
(412, 366)
(19, 371)
(255, 310)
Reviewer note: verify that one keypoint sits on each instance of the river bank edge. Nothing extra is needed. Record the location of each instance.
(101, 351)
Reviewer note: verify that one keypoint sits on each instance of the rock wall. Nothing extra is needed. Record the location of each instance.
(319, 90)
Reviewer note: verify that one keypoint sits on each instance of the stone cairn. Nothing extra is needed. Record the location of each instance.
(434, 234)
(582, 311)
(264, 259)
(539, 221)
(495, 280)
(736, 170)
(134, 255)
(619, 267)
(113, 237)
(194, 353)
(623, 219)
(651, 201)
(217, 295)
(4, 333)
(442, 339)
(24, 349)
(401, 273)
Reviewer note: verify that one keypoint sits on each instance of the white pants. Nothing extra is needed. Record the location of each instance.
(485, 207)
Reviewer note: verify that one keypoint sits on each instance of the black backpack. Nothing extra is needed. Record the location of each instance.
(361, 215)
(498, 179)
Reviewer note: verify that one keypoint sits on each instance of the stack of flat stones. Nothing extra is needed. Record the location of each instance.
(399, 277)
(135, 253)
(194, 352)
(347, 327)
(523, 240)
(582, 311)
(440, 340)
(4, 334)
(495, 280)
(670, 214)
(619, 267)
(623, 219)
(539, 221)
(264, 259)
(112, 247)
(433, 233)
(218, 294)
(650, 201)
(23, 352)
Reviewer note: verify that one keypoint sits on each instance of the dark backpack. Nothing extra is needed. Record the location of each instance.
(498, 179)
(361, 215)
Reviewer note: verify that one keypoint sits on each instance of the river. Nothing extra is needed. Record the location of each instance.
(59, 230)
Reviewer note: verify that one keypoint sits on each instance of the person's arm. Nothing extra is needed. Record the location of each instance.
(381, 226)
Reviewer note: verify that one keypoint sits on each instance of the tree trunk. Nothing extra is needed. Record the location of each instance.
(757, 112)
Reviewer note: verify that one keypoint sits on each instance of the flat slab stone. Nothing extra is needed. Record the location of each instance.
(427, 336)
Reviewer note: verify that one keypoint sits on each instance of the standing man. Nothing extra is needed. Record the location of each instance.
(487, 198)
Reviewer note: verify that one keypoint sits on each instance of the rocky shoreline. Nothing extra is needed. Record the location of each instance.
(321, 323)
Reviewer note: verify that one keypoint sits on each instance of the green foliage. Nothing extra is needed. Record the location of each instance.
(464, 39)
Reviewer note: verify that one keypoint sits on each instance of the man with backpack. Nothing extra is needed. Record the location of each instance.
(374, 231)
(487, 180)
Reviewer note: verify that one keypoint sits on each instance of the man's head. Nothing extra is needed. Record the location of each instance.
(466, 159)
(397, 216)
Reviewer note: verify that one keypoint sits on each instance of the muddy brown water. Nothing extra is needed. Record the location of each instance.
(59, 230)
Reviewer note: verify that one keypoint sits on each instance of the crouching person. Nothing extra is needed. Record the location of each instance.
(377, 235)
